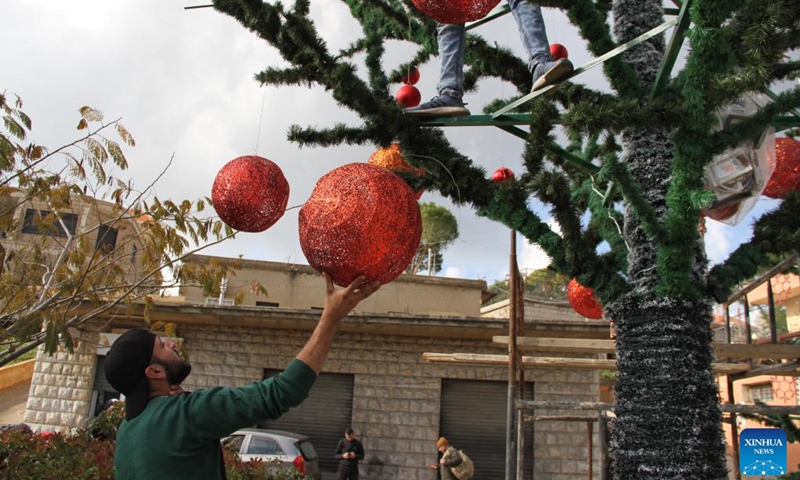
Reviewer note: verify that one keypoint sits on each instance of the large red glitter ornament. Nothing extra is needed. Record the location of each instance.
(583, 300)
(361, 219)
(391, 157)
(786, 177)
(408, 96)
(455, 11)
(250, 193)
(558, 51)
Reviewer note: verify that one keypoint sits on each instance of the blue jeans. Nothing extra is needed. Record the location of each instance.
(452, 41)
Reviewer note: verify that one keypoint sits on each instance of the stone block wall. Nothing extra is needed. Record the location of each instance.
(61, 389)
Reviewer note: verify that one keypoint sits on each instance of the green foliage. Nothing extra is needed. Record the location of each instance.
(55, 456)
(79, 241)
(105, 425)
(543, 284)
(720, 68)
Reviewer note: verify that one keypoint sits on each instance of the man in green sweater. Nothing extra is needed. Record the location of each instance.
(169, 434)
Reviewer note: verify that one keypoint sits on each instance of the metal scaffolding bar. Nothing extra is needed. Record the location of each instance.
(673, 49)
(591, 64)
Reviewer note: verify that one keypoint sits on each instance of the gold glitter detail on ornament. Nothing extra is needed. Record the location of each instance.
(455, 11)
(391, 157)
(361, 219)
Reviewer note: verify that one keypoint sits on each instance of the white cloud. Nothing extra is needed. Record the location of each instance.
(717, 244)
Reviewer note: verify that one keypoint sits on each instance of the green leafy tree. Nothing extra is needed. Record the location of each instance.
(78, 242)
(544, 284)
(439, 230)
(647, 143)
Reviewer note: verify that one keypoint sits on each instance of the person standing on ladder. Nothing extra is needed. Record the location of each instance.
(452, 43)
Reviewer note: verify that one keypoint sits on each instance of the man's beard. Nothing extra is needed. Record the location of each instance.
(176, 371)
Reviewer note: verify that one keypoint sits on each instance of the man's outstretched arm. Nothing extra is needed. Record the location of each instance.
(338, 303)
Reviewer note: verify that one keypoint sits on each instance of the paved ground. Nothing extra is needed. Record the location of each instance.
(12, 403)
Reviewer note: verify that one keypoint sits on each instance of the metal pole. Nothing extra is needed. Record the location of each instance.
(512, 357)
(590, 445)
(603, 444)
(748, 332)
(773, 328)
(521, 382)
(727, 316)
(737, 475)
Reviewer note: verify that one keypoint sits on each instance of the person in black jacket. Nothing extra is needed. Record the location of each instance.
(349, 451)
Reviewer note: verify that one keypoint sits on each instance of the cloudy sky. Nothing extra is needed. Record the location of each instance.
(182, 83)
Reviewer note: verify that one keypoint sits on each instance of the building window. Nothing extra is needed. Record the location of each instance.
(267, 304)
(761, 392)
(33, 222)
(106, 239)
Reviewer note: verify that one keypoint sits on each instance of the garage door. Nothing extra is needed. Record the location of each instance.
(323, 416)
(473, 419)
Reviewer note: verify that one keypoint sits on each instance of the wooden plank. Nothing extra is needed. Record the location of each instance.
(564, 345)
(723, 350)
(554, 362)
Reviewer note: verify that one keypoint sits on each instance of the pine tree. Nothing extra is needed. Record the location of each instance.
(652, 138)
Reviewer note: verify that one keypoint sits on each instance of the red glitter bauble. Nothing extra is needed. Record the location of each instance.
(408, 96)
(250, 194)
(361, 219)
(412, 78)
(583, 300)
(455, 11)
(502, 175)
(558, 51)
(786, 177)
(391, 157)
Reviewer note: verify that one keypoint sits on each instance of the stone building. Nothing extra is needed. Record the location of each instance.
(375, 379)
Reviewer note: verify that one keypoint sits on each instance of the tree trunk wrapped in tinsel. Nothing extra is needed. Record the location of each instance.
(653, 283)
(668, 420)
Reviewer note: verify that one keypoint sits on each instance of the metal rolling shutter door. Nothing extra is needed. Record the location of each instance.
(100, 382)
(323, 416)
(473, 419)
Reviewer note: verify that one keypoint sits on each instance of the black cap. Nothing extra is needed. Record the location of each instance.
(126, 362)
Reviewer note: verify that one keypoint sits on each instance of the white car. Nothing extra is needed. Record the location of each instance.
(276, 448)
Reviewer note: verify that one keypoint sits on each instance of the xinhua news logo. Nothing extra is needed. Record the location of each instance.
(762, 451)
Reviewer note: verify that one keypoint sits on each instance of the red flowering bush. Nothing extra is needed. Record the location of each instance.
(87, 456)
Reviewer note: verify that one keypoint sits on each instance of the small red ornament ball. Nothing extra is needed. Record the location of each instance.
(502, 175)
(361, 219)
(558, 51)
(786, 176)
(391, 157)
(455, 11)
(408, 96)
(583, 300)
(250, 193)
(411, 78)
